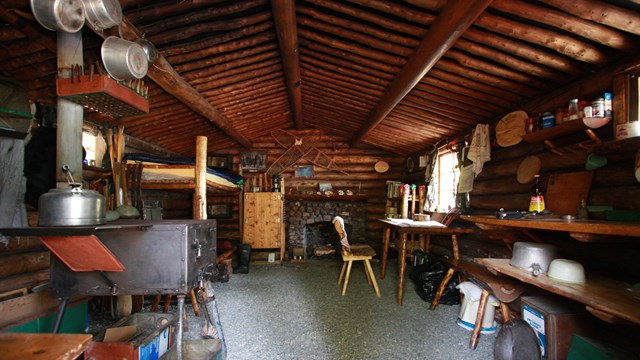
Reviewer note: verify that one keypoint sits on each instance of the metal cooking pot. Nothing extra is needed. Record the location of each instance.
(124, 59)
(103, 14)
(71, 207)
(65, 15)
(149, 49)
(533, 257)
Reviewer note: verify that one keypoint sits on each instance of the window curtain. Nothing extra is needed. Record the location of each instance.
(431, 181)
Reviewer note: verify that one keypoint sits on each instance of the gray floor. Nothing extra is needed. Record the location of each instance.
(295, 311)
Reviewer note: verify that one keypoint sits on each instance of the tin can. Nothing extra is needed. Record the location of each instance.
(598, 107)
(608, 108)
(548, 120)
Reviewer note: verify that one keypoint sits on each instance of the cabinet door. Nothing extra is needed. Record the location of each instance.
(263, 219)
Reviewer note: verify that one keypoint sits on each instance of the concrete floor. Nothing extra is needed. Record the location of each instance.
(296, 311)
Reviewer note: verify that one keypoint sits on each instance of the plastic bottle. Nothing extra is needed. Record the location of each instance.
(537, 196)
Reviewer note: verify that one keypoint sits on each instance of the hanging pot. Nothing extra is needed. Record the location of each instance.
(149, 49)
(124, 59)
(64, 15)
(103, 14)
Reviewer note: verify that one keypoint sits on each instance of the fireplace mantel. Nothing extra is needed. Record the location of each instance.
(315, 197)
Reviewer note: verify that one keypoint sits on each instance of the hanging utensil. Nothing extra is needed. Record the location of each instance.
(103, 14)
(124, 59)
(64, 15)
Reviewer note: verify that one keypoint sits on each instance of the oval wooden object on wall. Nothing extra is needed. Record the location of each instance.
(381, 166)
(528, 167)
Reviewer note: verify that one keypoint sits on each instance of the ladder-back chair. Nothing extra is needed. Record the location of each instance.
(351, 253)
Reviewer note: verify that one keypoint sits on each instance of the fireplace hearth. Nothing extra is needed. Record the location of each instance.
(308, 223)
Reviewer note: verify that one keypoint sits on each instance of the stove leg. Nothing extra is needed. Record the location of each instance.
(61, 308)
(180, 329)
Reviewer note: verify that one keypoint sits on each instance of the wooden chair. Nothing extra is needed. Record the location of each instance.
(351, 253)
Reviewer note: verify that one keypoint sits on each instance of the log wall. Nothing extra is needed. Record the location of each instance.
(358, 163)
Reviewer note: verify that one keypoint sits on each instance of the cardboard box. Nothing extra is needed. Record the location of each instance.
(555, 320)
(141, 336)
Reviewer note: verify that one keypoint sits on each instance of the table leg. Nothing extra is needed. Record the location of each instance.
(401, 266)
(456, 249)
(385, 251)
(506, 314)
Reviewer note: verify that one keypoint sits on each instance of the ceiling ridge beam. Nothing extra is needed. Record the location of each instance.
(284, 14)
(453, 20)
(163, 74)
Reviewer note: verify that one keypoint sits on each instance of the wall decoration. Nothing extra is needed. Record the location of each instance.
(253, 161)
(219, 161)
(304, 171)
(325, 186)
(218, 211)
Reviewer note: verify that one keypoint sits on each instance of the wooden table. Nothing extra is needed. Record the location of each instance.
(608, 299)
(404, 229)
(582, 230)
(43, 346)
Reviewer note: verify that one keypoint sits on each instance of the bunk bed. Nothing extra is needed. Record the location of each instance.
(158, 173)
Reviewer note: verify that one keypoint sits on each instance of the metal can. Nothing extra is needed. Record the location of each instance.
(598, 107)
(588, 111)
(548, 120)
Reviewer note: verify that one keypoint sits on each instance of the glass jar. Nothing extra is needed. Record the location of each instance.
(573, 112)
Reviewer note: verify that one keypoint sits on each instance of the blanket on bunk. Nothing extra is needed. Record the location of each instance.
(225, 174)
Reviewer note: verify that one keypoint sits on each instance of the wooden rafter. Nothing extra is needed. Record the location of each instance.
(455, 18)
(284, 13)
(163, 74)
(26, 28)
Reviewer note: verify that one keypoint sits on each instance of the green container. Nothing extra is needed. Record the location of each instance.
(75, 321)
(583, 348)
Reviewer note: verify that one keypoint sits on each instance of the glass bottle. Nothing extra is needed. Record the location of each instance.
(583, 213)
(573, 110)
(537, 196)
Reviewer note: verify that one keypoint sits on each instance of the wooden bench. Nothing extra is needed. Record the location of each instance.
(505, 289)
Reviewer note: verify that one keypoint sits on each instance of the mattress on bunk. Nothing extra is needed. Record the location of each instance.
(187, 173)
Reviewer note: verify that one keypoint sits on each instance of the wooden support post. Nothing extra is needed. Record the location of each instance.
(475, 335)
(200, 195)
(441, 288)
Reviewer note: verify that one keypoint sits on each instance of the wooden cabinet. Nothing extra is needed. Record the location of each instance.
(263, 225)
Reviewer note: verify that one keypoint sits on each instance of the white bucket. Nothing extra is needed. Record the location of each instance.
(469, 308)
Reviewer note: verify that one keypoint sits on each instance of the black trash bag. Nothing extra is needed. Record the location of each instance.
(427, 274)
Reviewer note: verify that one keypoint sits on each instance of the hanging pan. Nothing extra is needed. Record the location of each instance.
(63, 15)
(103, 14)
(124, 59)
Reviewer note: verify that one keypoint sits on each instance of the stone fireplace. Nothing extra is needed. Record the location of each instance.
(308, 222)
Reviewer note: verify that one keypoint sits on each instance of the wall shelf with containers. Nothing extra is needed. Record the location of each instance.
(586, 124)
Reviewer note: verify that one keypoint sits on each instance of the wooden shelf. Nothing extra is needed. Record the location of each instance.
(607, 295)
(567, 128)
(578, 229)
(315, 197)
(103, 94)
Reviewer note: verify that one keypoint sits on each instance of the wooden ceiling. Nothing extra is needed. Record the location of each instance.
(397, 75)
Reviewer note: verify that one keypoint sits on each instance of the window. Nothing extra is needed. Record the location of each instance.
(445, 176)
(95, 146)
(89, 145)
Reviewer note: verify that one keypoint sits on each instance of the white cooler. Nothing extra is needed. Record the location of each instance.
(469, 308)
